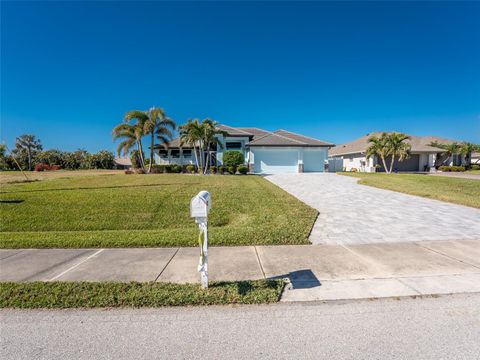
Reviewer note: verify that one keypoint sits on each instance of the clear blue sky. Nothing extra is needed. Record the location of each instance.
(70, 70)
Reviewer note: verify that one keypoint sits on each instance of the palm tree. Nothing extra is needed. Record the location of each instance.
(398, 147)
(449, 150)
(210, 131)
(191, 133)
(466, 149)
(28, 143)
(378, 147)
(131, 136)
(140, 118)
(158, 124)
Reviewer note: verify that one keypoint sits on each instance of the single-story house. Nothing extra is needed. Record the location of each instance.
(122, 163)
(423, 157)
(265, 151)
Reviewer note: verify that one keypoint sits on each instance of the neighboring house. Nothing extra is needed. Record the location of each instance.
(423, 157)
(122, 163)
(265, 152)
(475, 159)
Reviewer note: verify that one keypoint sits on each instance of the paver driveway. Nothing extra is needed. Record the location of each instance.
(357, 214)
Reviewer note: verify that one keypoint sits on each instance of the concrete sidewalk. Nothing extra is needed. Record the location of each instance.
(315, 272)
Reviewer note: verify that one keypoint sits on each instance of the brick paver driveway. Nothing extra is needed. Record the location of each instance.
(357, 214)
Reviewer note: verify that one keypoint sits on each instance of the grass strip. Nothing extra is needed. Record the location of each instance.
(453, 190)
(62, 295)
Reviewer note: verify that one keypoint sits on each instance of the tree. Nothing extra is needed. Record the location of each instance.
(466, 149)
(158, 124)
(201, 135)
(27, 144)
(131, 136)
(378, 147)
(449, 150)
(191, 134)
(233, 158)
(209, 137)
(398, 147)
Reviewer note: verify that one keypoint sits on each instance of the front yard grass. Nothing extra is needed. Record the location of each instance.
(454, 190)
(119, 210)
(52, 295)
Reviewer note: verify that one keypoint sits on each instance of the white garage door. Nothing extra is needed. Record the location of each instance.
(314, 160)
(274, 161)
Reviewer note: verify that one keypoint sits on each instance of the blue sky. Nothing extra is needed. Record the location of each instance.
(336, 71)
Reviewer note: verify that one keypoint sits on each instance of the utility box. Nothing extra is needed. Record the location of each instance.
(200, 205)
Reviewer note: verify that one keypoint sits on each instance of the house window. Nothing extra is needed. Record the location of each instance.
(162, 153)
(233, 145)
(187, 153)
(175, 153)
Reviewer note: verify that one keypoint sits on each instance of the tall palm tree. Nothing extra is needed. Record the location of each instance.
(398, 147)
(28, 143)
(131, 136)
(191, 134)
(140, 118)
(210, 131)
(378, 147)
(158, 124)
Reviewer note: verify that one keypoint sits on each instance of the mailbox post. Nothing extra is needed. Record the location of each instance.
(199, 208)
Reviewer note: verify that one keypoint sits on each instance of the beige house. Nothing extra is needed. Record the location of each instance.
(423, 157)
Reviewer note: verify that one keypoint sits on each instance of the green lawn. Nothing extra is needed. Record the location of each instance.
(49, 295)
(119, 210)
(450, 189)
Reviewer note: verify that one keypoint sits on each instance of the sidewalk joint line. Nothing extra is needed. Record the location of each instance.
(259, 262)
(408, 286)
(76, 265)
(448, 256)
(168, 263)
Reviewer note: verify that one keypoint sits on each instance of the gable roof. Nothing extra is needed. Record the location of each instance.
(417, 143)
(287, 138)
(260, 137)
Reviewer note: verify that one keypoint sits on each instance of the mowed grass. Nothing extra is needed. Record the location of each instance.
(50, 295)
(454, 190)
(121, 210)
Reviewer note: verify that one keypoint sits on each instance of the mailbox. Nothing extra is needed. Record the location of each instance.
(199, 208)
(200, 205)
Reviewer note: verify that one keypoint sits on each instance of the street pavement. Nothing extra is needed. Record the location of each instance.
(350, 213)
(446, 327)
(322, 272)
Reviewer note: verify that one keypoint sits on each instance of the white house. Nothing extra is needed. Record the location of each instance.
(423, 157)
(265, 152)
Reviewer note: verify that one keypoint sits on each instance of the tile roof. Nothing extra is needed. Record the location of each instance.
(360, 145)
(286, 138)
(260, 137)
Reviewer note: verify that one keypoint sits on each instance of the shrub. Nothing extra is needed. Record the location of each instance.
(213, 169)
(42, 167)
(221, 169)
(55, 167)
(242, 169)
(140, 171)
(168, 169)
(177, 169)
(158, 169)
(475, 167)
(452, 168)
(129, 172)
(190, 169)
(233, 158)
(232, 169)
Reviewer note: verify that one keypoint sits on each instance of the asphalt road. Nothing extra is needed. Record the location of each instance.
(447, 327)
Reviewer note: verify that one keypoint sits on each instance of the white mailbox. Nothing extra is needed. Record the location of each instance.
(200, 205)
(199, 208)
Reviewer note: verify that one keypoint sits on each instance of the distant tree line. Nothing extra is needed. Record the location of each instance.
(28, 153)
